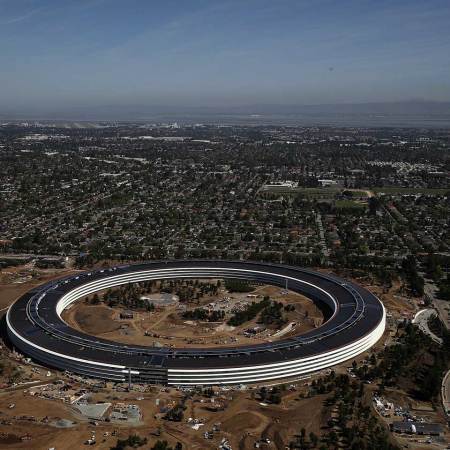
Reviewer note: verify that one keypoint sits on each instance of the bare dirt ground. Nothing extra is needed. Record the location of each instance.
(422, 409)
(15, 281)
(95, 320)
(242, 421)
(165, 326)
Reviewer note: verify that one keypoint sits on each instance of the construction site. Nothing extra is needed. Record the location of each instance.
(42, 408)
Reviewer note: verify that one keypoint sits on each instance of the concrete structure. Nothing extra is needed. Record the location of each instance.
(355, 322)
(432, 429)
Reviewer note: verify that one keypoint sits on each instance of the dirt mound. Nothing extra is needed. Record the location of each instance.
(241, 422)
(96, 320)
(9, 439)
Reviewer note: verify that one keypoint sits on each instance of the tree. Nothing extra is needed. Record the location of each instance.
(263, 394)
(133, 441)
(163, 445)
(416, 282)
(175, 414)
(374, 205)
(314, 439)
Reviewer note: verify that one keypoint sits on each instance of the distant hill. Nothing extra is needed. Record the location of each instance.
(406, 107)
(406, 113)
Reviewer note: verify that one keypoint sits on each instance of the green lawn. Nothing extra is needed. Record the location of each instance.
(349, 204)
(402, 190)
(328, 192)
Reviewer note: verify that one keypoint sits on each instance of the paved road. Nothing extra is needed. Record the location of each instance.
(421, 320)
(445, 390)
(442, 306)
(323, 242)
(443, 309)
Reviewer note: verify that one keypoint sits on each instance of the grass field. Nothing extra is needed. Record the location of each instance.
(349, 204)
(357, 193)
(325, 193)
(402, 190)
(329, 192)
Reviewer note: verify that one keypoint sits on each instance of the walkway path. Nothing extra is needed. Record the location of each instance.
(421, 320)
(445, 391)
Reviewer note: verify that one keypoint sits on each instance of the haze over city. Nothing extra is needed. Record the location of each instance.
(83, 56)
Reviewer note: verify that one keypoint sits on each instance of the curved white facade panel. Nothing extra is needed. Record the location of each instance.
(254, 374)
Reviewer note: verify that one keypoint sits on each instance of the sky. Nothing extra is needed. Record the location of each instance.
(57, 54)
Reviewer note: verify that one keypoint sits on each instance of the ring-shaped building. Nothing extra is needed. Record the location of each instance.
(355, 322)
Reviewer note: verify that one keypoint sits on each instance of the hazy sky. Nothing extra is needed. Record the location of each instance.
(55, 53)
